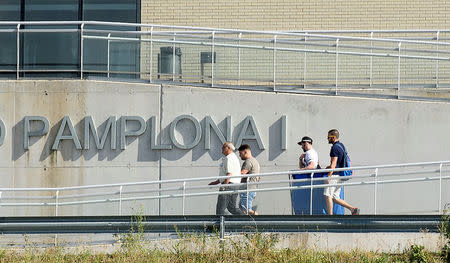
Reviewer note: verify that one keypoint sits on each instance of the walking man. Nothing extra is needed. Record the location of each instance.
(332, 192)
(229, 167)
(309, 159)
(250, 166)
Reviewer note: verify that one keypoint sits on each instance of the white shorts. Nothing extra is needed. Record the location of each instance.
(333, 191)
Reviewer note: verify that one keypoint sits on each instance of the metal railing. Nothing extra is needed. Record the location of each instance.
(330, 62)
(364, 176)
(218, 224)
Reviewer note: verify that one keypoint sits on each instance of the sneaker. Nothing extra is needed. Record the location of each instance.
(355, 212)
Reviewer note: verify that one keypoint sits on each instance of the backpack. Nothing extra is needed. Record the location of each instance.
(347, 163)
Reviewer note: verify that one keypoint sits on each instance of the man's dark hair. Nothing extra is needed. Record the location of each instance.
(244, 147)
(334, 132)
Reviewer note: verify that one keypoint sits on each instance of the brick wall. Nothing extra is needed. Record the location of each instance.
(299, 15)
(302, 15)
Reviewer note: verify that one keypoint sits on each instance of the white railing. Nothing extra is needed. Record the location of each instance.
(184, 189)
(334, 61)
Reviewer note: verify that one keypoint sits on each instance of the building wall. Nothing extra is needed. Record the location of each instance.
(299, 15)
(375, 131)
(256, 65)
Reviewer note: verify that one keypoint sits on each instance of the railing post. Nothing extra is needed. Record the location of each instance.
(81, 49)
(437, 60)
(375, 189)
(398, 70)
(337, 66)
(371, 62)
(109, 43)
(274, 62)
(304, 64)
(173, 58)
(239, 59)
(151, 54)
(222, 228)
(56, 202)
(247, 202)
(311, 195)
(212, 57)
(120, 199)
(18, 52)
(440, 188)
(184, 196)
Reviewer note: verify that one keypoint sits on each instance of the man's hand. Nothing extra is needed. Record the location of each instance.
(214, 182)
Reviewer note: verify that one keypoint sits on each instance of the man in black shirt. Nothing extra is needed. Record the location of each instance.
(332, 193)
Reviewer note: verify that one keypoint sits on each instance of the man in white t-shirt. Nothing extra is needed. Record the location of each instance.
(309, 159)
(230, 166)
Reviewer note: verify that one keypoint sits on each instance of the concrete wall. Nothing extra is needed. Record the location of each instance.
(375, 131)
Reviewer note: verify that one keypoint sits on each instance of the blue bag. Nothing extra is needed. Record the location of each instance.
(347, 163)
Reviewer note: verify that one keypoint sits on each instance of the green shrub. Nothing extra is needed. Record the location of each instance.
(445, 233)
(417, 253)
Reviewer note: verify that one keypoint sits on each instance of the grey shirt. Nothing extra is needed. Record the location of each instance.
(252, 166)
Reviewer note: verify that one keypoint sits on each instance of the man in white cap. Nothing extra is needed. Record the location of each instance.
(230, 166)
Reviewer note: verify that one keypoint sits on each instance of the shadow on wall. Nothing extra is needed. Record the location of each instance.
(275, 148)
(17, 139)
(145, 153)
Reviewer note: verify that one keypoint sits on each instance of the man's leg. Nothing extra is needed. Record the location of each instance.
(329, 204)
(243, 202)
(328, 193)
(232, 208)
(251, 196)
(336, 199)
(344, 204)
(222, 201)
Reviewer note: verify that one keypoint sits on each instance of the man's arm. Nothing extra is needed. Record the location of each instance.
(227, 181)
(244, 179)
(311, 165)
(300, 160)
(333, 164)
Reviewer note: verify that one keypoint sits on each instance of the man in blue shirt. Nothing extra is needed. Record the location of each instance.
(332, 193)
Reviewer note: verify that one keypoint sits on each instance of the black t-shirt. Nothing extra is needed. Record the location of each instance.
(338, 150)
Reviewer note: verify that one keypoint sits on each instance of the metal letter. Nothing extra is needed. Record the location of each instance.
(73, 134)
(2, 132)
(198, 132)
(123, 131)
(283, 132)
(209, 123)
(153, 144)
(26, 129)
(89, 125)
(255, 136)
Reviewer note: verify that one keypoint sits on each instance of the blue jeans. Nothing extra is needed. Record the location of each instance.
(245, 202)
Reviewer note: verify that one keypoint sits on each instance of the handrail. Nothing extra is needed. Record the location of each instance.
(355, 168)
(276, 73)
(309, 33)
(199, 190)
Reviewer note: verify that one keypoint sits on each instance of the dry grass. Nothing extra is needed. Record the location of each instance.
(252, 248)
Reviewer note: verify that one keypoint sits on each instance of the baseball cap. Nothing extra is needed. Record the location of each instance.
(305, 139)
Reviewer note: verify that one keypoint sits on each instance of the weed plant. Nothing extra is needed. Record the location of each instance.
(202, 248)
(445, 233)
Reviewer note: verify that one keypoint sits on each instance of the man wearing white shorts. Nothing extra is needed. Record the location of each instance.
(332, 193)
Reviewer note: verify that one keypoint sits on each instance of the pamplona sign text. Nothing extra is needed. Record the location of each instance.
(38, 126)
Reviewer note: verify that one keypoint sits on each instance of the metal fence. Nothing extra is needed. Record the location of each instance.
(325, 62)
(399, 175)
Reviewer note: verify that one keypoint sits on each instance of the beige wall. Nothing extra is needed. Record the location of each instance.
(299, 15)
